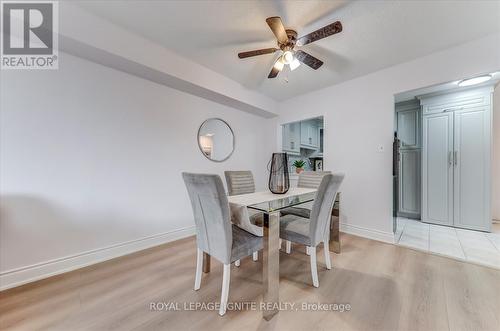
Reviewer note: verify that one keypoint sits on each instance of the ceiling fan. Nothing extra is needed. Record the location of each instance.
(287, 40)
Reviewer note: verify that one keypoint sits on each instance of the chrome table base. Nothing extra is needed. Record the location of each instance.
(271, 265)
(206, 262)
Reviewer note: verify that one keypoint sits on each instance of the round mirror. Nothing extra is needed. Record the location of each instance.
(216, 139)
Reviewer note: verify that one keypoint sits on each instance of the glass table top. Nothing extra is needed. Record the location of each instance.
(278, 204)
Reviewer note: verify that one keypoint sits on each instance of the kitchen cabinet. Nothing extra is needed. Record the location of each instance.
(456, 159)
(309, 134)
(472, 168)
(409, 183)
(437, 172)
(291, 138)
(408, 122)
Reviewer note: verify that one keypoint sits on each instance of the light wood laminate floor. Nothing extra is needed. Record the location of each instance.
(388, 288)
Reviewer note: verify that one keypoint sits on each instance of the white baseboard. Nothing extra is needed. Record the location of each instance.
(28, 274)
(387, 237)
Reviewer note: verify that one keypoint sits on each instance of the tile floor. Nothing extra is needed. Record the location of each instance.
(473, 246)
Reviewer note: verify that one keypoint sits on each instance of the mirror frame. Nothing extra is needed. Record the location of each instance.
(198, 139)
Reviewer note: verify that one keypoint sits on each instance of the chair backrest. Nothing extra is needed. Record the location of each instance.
(239, 182)
(211, 214)
(311, 179)
(321, 212)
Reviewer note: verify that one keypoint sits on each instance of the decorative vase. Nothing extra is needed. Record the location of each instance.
(299, 170)
(279, 180)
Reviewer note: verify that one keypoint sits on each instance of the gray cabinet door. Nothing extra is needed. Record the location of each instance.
(409, 183)
(291, 138)
(309, 134)
(304, 132)
(295, 137)
(472, 168)
(315, 135)
(409, 128)
(437, 169)
(408, 123)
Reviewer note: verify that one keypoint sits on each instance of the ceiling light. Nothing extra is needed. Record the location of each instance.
(287, 57)
(474, 81)
(294, 64)
(279, 64)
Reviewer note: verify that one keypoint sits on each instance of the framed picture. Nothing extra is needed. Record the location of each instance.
(318, 165)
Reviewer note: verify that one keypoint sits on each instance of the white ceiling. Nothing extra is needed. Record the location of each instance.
(376, 34)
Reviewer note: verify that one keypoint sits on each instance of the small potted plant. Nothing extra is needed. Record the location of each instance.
(299, 166)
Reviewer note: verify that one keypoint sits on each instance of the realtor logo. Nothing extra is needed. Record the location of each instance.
(29, 35)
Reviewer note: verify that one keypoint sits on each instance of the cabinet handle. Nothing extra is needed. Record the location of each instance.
(310, 140)
(450, 158)
(292, 144)
(451, 109)
(455, 158)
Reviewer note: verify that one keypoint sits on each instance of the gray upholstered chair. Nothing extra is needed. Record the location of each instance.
(241, 182)
(215, 234)
(315, 229)
(307, 179)
(311, 179)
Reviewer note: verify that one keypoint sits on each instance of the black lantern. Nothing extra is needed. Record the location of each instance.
(279, 181)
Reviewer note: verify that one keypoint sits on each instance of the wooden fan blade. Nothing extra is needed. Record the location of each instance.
(243, 55)
(324, 32)
(275, 71)
(278, 29)
(308, 59)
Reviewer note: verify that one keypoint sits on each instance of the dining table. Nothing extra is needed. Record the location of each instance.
(271, 205)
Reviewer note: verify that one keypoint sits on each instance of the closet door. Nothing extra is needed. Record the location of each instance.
(437, 169)
(472, 168)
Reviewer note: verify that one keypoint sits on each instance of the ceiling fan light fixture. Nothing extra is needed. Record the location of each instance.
(294, 64)
(279, 64)
(286, 40)
(287, 57)
(474, 80)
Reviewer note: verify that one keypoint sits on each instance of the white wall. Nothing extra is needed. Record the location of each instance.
(91, 158)
(495, 203)
(359, 117)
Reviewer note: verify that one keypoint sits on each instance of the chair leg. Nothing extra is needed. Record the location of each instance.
(307, 250)
(326, 247)
(199, 269)
(288, 246)
(226, 277)
(237, 263)
(314, 267)
(255, 256)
